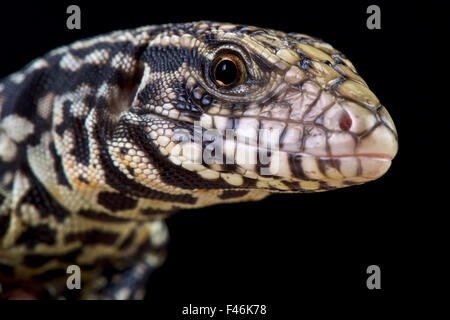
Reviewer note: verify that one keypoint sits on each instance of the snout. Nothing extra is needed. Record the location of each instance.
(337, 141)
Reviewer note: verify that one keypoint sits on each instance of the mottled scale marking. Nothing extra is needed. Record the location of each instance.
(102, 139)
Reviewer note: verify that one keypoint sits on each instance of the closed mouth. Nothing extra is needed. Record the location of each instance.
(362, 166)
(380, 156)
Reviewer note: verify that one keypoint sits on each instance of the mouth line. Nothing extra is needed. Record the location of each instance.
(379, 156)
(371, 155)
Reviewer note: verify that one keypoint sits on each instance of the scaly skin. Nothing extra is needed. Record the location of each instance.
(99, 141)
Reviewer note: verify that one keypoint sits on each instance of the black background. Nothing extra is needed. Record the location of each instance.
(291, 252)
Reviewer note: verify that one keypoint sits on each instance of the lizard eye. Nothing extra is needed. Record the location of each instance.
(228, 70)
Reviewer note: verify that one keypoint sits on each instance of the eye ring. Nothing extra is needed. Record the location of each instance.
(228, 70)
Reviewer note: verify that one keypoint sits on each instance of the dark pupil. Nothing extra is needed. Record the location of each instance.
(226, 72)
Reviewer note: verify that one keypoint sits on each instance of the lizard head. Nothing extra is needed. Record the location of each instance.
(232, 106)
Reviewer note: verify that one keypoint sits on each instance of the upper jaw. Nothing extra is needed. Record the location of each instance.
(367, 158)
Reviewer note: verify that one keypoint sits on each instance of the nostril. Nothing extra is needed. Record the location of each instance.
(345, 122)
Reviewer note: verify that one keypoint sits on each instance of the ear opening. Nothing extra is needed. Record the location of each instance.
(124, 92)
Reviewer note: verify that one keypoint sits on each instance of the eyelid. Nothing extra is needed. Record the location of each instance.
(236, 50)
(239, 93)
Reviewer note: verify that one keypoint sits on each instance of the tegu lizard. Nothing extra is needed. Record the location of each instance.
(102, 139)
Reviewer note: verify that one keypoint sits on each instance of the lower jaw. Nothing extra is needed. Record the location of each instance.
(354, 167)
(335, 171)
(322, 173)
